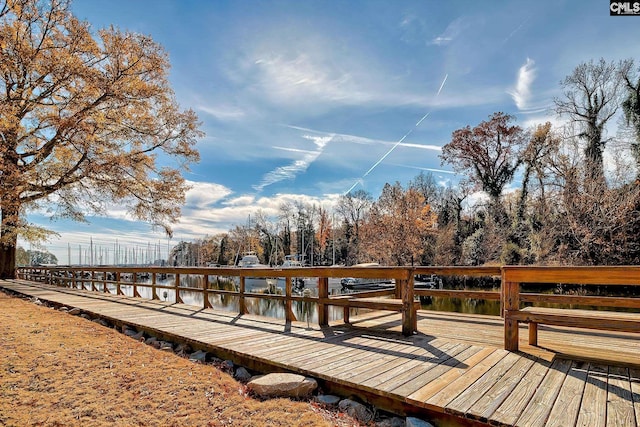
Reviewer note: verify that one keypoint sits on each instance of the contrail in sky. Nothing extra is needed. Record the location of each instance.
(399, 142)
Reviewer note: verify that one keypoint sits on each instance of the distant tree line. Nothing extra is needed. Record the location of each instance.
(573, 202)
(25, 257)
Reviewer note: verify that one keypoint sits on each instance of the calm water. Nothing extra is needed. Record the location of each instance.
(274, 308)
(308, 311)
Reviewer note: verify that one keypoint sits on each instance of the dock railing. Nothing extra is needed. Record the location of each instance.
(514, 296)
(511, 296)
(110, 279)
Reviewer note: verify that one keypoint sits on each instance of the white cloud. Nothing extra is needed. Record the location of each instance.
(290, 171)
(223, 112)
(203, 194)
(521, 94)
(453, 30)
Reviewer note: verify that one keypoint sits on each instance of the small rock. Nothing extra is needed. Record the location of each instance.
(417, 422)
(199, 356)
(36, 301)
(328, 400)
(129, 332)
(282, 385)
(227, 366)
(101, 322)
(64, 309)
(151, 341)
(85, 316)
(391, 422)
(166, 346)
(75, 311)
(356, 410)
(242, 375)
(183, 348)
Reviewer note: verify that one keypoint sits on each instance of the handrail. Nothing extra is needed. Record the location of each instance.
(510, 295)
(514, 276)
(105, 278)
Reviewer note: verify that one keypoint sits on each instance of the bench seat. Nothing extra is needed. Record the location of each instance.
(587, 319)
(376, 303)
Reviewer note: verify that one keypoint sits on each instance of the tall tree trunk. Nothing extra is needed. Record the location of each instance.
(8, 242)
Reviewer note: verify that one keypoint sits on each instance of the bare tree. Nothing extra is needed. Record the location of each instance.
(591, 99)
(631, 104)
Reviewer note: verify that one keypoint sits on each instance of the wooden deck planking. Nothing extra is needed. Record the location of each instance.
(567, 404)
(634, 376)
(513, 405)
(454, 366)
(537, 411)
(593, 409)
(620, 410)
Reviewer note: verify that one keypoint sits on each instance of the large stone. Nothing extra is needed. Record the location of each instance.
(417, 422)
(282, 385)
(75, 311)
(356, 410)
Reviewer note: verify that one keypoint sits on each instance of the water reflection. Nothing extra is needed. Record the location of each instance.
(469, 306)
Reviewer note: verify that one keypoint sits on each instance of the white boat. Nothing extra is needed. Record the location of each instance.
(256, 284)
(297, 283)
(365, 284)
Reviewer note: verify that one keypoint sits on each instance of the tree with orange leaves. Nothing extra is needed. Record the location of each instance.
(83, 120)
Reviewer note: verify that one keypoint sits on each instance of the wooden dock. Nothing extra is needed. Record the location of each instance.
(454, 370)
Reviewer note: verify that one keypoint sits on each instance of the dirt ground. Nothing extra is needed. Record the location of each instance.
(62, 370)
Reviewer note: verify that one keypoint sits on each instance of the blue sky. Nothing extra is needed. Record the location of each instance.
(300, 99)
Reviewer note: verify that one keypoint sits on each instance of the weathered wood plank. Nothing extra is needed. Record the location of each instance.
(566, 406)
(436, 371)
(465, 400)
(634, 376)
(620, 408)
(593, 409)
(402, 364)
(462, 368)
(392, 385)
(536, 413)
(514, 404)
(484, 407)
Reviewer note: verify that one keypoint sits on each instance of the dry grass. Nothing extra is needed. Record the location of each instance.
(62, 370)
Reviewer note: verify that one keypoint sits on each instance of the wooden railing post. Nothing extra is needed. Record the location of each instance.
(118, 289)
(289, 315)
(323, 309)
(154, 294)
(511, 293)
(242, 302)
(409, 316)
(93, 281)
(135, 285)
(205, 294)
(176, 286)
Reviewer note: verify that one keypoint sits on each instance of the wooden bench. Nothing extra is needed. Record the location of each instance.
(377, 303)
(619, 321)
(588, 319)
